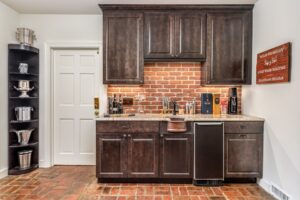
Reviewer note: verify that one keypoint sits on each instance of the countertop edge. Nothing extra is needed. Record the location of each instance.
(230, 118)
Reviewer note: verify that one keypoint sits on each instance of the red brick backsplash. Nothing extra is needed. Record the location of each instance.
(178, 81)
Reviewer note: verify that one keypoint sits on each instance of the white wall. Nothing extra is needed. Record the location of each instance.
(277, 22)
(57, 29)
(9, 20)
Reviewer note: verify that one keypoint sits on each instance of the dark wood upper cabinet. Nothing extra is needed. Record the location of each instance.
(229, 48)
(174, 35)
(176, 155)
(218, 35)
(190, 31)
(243, 155)
(123, 61)
(143, 155)
(159, 38)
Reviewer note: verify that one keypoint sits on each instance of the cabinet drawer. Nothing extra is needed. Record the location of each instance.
(244, 127)
(127, 127)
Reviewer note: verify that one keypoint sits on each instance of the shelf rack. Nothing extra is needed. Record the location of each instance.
(23, 54)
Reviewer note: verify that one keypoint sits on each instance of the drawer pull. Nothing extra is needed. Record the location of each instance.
(161, 135)
(243, 136)
(124, 136)
(129, 135)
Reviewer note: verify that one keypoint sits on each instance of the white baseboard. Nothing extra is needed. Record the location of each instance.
(266, 185)
(44, 164)
(3, 173)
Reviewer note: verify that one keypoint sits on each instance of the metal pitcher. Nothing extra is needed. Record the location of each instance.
(23, 136)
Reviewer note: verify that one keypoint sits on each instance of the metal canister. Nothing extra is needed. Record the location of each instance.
(25, 159)
(23, 113)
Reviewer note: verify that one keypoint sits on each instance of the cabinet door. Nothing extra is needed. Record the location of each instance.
(190, 38)
(111, 156)
(243, 155)
(229, 36)
(176, 156)
(123, 60)
(142, 155)
(159, 35)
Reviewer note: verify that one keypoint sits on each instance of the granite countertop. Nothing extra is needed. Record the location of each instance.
(166, 117)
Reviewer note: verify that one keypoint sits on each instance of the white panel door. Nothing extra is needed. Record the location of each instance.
(76, 83)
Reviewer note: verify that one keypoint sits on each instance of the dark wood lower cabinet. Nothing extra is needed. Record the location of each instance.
(176, 156)
(134, 155)
(127, 155)
(112, 156)
(142, 155)
(243, 155)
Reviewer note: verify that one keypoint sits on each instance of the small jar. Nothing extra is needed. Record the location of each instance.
(23, 68)
(224, 107)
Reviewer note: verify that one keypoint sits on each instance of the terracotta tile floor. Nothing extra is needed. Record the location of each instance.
(79, 182)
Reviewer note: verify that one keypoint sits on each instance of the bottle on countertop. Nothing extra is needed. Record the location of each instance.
(193, 107)
(216, 104)
(115, 105)
(232, 101)
(175, 107)
(110, 105)
(120, 105)
(187, 108)
(206, 103)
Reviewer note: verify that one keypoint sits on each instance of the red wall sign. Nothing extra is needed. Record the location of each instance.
(273, 66)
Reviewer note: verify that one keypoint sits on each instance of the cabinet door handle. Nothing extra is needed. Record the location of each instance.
(243, 136)
(124, 136)
(129, 135)
(161, 135)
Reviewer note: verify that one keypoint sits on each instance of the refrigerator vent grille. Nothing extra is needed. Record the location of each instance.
(279, 193)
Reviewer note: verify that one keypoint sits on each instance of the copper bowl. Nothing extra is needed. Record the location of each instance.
(177, 125)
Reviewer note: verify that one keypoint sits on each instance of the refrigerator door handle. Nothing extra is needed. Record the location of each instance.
(209, 123)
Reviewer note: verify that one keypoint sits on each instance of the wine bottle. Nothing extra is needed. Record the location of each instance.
(115, 105)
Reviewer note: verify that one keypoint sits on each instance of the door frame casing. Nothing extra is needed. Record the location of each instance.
(47, 90)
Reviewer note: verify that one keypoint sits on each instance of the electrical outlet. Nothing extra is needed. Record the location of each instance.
(127, 101)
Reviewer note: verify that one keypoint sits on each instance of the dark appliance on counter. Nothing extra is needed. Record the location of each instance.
(208, 153)
(206, 103)
(232, 101)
